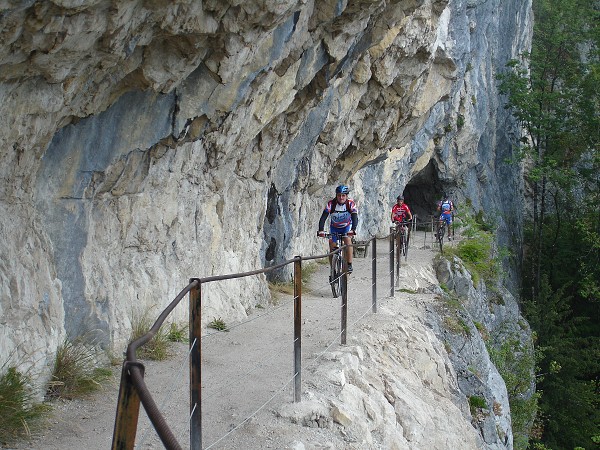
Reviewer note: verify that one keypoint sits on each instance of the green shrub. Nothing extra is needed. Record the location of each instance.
(158, 347)
(76, 371)
(19, 412)
(477, 254)
(457, 325)
(516, 365)
(178, 333)
(476, 401)
(218, 324)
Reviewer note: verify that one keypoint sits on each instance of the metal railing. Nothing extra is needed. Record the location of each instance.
(133, 389)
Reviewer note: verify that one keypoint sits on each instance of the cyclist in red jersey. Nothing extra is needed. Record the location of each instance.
(344, 219)
(401, 212)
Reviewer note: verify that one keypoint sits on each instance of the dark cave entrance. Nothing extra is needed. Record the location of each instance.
(423, 191)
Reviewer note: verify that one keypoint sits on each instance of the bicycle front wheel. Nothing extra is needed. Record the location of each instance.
(336, 275)
(398, 255)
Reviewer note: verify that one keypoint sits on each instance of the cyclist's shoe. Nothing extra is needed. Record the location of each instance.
(349, 267)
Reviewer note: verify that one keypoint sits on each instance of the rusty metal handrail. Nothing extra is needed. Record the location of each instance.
(133, 388)
(133, 372)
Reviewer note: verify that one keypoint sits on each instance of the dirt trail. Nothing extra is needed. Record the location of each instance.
(247, 371)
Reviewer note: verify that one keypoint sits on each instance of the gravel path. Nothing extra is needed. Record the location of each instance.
(248, 371)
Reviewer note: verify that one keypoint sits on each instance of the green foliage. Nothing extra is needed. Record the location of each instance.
(478, 254)
(218, 324)
(76, 371)
(178, 333)
(460, 121)
(457, 325)
(476, 402)
(516, 365)
(482, 331)
(569, 363)
(408, 291)
(19, 412)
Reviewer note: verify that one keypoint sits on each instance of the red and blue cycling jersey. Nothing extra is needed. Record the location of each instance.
(339, 215)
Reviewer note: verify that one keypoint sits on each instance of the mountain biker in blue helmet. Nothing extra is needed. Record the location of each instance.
(446, 209)
(343, 220)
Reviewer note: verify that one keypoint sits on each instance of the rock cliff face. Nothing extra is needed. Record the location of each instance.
(144, 143)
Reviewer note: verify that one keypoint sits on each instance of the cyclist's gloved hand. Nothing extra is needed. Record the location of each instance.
(351, 233)
(321, 233)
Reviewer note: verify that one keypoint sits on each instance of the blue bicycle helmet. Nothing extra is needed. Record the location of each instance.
(342, 189)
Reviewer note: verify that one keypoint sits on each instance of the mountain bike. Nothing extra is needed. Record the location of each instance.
(439, 234)
(337, 264)
(404, 239)
(402, 236)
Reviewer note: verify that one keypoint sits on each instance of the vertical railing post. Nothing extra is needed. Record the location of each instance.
(344, 303)
(297, 328)
(374, 275)
(128, 409)
(392, 261)
(397, 257)
(195, 366)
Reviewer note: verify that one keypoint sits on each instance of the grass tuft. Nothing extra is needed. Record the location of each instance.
(476, 402)
(178, 333)
(279, 287)
(157, 348)
(76, 371)
(218, 324)
(19, 412)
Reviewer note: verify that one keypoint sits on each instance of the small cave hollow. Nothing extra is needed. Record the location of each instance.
(423, 191)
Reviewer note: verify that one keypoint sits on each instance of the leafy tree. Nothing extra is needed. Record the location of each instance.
(553, 92)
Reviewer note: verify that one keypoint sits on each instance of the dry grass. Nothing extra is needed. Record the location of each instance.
(76, 371)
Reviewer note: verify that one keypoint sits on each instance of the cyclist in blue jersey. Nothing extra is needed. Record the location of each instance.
(446, 209)
(343, 219)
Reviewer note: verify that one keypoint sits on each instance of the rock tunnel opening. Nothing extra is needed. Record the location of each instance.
(423, 191)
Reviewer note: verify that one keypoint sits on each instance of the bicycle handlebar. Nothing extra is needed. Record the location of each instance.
(330, 235)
